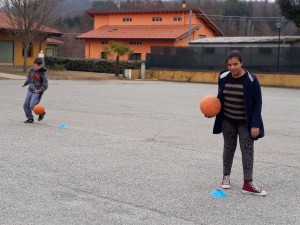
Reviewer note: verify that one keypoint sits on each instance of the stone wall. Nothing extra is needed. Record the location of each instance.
(275, 80)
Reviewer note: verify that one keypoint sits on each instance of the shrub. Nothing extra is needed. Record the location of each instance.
(89, 65)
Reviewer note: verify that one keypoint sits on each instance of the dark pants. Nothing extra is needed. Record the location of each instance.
(230, 133)
(30, 101)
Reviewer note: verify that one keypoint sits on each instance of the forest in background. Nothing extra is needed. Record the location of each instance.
(233, 17)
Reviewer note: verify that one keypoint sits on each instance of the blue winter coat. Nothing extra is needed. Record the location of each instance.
(252, 101)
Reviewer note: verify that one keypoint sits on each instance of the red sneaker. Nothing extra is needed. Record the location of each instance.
(226, 182)
(251, 189)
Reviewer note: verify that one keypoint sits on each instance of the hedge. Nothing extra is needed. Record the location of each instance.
(89, 65)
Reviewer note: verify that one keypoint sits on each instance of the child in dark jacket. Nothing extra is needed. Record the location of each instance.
(38, 84)
(240, 116)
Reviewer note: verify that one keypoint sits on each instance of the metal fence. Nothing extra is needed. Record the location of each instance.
(257, 59)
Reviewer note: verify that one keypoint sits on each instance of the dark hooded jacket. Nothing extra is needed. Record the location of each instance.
(37, 80)
(252, 101)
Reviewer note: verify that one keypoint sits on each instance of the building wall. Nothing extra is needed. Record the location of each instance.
(18, 58)
(144, 19)
(241, 45)
(93, 48)
(296, 44)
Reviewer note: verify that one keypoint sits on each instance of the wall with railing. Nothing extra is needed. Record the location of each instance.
(257, 59)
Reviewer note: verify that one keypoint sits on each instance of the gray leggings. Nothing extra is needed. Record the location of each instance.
(230, 133)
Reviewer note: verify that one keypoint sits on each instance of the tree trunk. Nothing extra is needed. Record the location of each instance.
(25, 47)
(117, 69)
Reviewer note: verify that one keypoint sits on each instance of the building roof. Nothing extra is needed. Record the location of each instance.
(208, 22)
(262, 39)
(53, 41)
(5, 25)
(135, 11)
(174, 32)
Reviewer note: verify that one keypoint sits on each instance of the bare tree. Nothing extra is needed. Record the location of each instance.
(28, 20)
(262, 29)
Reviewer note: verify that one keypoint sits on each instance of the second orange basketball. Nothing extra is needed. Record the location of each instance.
(210, 105)
(39, 109)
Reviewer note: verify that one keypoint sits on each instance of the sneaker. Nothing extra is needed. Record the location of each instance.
(41, 116)
(29, 121)
(226, 182)
(251, 189)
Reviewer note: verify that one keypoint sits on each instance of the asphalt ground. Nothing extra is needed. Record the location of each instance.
(140, 152)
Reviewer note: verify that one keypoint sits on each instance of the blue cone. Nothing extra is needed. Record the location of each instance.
(63, 126)
(218, 194)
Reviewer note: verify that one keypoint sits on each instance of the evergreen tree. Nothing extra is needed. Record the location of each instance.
(290, 9)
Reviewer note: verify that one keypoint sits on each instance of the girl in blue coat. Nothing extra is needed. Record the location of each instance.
(240, 95)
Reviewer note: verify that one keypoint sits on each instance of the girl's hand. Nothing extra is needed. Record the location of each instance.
(254, 132)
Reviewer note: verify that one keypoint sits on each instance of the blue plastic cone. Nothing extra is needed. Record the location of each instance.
(218, 194)
(63, 126)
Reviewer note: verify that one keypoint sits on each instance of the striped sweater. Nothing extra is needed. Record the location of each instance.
(234, 107)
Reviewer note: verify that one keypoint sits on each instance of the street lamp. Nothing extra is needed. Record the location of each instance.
(183, 5)
(278, 25)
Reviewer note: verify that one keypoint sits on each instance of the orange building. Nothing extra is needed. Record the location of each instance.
(141, 30)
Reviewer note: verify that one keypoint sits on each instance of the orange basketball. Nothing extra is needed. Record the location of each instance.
(210, 106)
(38, 109)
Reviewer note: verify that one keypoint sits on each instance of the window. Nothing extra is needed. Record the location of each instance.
(7, 51)
(156, 19)
(29, 52)
(177, 18)
(127, 19)
(135, 43)
(202, 36)
(209, 50)
(103, 55)
(135, 56)
(50, 51)
(104, 42)
(112, 30)
(266, 51)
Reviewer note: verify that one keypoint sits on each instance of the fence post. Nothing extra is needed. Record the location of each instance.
(142, 70)
(148, 60)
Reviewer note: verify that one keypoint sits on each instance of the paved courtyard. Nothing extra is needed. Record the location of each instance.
(140, 152)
